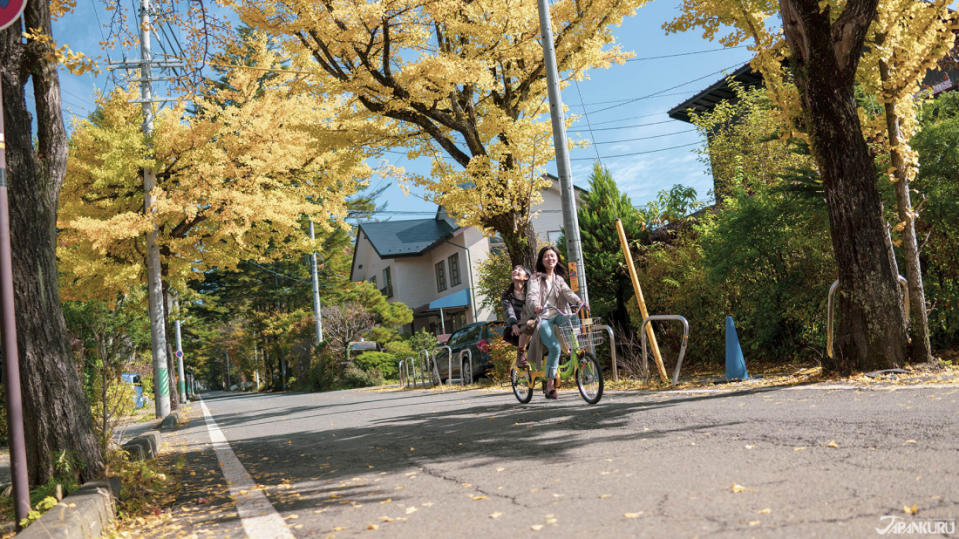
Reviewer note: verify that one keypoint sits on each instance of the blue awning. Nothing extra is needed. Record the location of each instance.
(456, 299)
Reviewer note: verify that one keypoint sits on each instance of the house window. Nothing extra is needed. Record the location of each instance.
(387, 289)
(372, 280)
(440, 277)
(454, 262)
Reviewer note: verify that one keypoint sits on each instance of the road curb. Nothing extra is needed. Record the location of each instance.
(172, 421)
(83, 514)
(145, 446)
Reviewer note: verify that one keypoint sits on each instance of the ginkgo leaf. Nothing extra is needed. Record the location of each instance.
(765, 511)
(800, 448)
(633, 515)
(754, 523)
(478, 498)
(832, 444)
(536, 527)
(737, 488)
(495, 515)
(373, 527)
(911, 510)
(411, 510)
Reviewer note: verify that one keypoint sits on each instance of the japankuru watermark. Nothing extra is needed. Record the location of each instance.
(895, 525)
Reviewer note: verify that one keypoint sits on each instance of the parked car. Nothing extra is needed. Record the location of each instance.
(475, 338)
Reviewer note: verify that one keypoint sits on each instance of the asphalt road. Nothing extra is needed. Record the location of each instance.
(769, 462)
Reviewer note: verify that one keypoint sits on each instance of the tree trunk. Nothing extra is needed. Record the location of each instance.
(519, 237)
(871, 326)
(920, 350)
(57, 415)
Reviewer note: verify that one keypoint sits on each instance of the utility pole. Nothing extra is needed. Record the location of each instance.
(11, 355)
(574, 248)
(179, 354)
(158, 339)
(317, 312)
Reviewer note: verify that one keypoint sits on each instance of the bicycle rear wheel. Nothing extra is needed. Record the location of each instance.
(589, 378)
(522, 383)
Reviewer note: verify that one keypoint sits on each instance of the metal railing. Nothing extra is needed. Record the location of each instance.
(449, 365)
(829, 311)
(682, 348)
(612, 349)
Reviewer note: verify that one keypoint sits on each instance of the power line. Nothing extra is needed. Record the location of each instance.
(622, 126)
(714, 73)
(645, 138)
(684, 54)
(638, 153)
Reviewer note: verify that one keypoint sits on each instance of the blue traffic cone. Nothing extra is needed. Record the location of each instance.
(735, 362)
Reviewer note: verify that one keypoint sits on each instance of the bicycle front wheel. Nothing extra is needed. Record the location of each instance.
(522, 383)
(589, 378)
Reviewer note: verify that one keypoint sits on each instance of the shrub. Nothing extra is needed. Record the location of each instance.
(354, 377)
(501, 355)
(382, 362)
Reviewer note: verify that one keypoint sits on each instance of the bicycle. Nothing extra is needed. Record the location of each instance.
(577, 336)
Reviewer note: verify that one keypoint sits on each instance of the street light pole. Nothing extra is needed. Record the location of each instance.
(574, 248)
(179, 355)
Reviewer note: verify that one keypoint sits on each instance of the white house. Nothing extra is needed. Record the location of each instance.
(431, 264)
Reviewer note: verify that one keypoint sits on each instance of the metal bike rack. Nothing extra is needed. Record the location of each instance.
(449, 368)
(469, 353)
(829, 312)
(612, 348)
(682, 349)
(427, 361)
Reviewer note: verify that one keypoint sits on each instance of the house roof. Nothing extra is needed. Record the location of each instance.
(392, 239)
(718, 91)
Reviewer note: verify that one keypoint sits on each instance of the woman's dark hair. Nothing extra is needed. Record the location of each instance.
(560, 268)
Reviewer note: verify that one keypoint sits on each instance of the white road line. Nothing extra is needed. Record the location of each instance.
(259, 517)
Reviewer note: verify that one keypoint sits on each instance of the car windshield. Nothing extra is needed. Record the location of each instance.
(496, 330)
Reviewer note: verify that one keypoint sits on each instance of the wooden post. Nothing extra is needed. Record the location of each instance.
(639, 299)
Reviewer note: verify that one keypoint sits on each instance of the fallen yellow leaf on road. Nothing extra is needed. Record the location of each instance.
(536, 527)
(766, 511)
(386, 519)
(737, 488)
(372, 527)
(478, 498)
(388, 500)
(909, 442)
(411, 510)
(911, 510)
(633, 515)
(799, 449)
(604, 496)
(495, 515)
(832, 444)
(754, 523)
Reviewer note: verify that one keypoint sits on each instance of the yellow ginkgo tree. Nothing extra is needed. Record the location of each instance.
(459, 82)
(237, 177)
(813, 55)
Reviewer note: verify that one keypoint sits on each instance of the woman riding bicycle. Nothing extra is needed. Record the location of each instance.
(548, 297)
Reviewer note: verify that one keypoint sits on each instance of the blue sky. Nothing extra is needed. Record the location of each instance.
(625, 105)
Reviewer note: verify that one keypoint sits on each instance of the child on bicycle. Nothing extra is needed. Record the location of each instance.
(548, 296)
(513, 300)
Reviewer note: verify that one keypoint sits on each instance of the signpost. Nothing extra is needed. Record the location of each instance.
(10, 11)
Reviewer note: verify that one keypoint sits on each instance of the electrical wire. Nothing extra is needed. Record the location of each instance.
(684, 54)
(714, 73)
(639, 153)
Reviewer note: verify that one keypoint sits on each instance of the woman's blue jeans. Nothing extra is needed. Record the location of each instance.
(547, 336)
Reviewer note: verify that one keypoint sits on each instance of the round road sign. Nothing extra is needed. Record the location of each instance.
(10, 11)
(179, 353)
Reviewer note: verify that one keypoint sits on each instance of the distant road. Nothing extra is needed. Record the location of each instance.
(768, 462)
